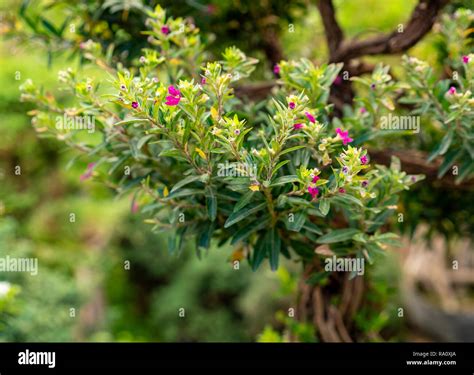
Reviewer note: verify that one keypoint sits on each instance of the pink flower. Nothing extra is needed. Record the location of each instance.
(363, 110)
(310, 117)
(344, 135)
(342, 190)
(276, 69)
(88, 173)
(313, 192)
(211, 9)
(165, 30)
(174, 91)
(337, 80)
(203, 80)
(465, 59)
(134, 207)
(315, 179)
(363, 159)
(134, 105)
(297, 126)
(292, 105)
(174, 96)
(452, 90)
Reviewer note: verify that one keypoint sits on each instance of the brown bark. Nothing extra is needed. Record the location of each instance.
(333, 323)
(398, 41)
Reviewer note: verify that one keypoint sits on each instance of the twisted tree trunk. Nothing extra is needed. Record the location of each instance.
(332, 322)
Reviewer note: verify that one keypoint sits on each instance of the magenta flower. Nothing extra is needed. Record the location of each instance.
(174, 91)
(276, 69)
(165, 30)
(297, 126)
(134, 207)
(363, 159)
(292, 105)
(337, 81)
(174, 96)
(363, 110)
(315, 179)
(452, 90)
(203, 80)
(465, 59)
(344, 135)
(88, 173)
(134, 105)
(342, 190)
(310, 117)
(211, 9)
(313, 192)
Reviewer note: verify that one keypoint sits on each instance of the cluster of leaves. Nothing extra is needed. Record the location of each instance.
(195, 167)
(62, 25)
(451, 107)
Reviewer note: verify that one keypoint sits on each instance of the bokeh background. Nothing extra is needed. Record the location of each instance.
(83, 291)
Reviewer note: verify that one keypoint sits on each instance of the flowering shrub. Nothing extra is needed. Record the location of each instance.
(171, 131)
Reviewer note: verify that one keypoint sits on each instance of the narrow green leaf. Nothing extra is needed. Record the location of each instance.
(285, 180)
(295, 222)
(291, 149)
(242, 214)
(185, 181)
(144, 140)
(243, 201)
(211, 204)
(338, 235)
(324, 206)
(273, 246)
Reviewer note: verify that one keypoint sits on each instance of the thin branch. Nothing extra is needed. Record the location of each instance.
(334, 34)
(420, 23)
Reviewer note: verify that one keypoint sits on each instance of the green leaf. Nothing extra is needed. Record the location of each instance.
(279, 165)
(338, 235)
(450, 158)
(49, 26)
(211, 204)
(273, 246)
(243, 201)
(259, 253)
(443, 146)
(185, 181)
(347, 199)
(184, 193)
(242, 214)
(291, 149)
(144, 140)
(284, 180)
(388, 238)
(130, 121)
(297, 222)
(250, 228)
(317, 278)
(324, 206)
(313, 228)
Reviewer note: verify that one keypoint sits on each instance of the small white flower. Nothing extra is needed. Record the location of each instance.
(4, 288)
